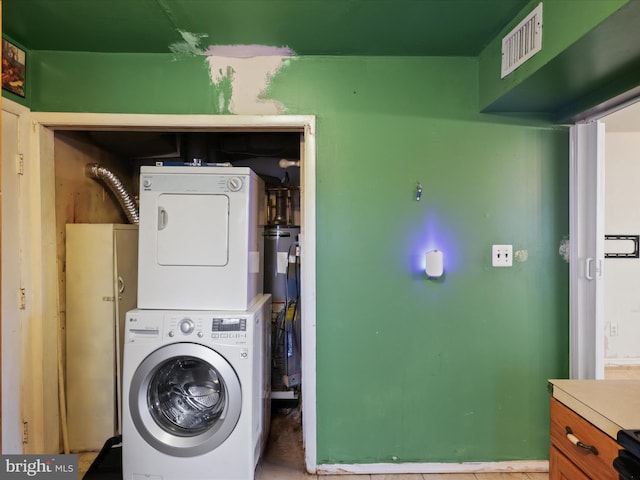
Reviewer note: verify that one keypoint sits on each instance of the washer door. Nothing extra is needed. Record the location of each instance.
(185, 399)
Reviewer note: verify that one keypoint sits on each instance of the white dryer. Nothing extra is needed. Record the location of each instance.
(200, 247)
(196, 393)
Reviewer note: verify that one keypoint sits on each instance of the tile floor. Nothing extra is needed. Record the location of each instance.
(283, 475)
(84, 462)
(283, 458)
(622, 372)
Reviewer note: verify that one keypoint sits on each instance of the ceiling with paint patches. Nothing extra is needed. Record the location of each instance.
(307, 27)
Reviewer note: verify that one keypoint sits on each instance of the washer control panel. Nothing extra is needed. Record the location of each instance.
(229, 325)
(186, 326)
(183, 326)
(229, 331)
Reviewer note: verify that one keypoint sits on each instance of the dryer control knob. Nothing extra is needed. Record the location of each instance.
(234, 184)
(186, 326)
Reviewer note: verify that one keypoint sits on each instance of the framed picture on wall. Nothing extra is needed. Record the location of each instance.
(13, 68)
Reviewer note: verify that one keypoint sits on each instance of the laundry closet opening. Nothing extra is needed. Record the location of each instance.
(97, 255)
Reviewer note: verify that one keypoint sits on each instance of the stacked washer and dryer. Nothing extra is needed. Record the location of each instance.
(196, 377)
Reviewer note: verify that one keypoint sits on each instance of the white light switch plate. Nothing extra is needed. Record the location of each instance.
(502, 255)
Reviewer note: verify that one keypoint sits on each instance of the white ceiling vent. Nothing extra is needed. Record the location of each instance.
(523, 42)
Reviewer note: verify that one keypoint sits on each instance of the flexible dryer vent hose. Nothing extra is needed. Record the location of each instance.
(112, 181)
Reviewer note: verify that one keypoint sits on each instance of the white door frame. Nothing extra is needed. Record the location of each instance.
(15, 272)
(587, 148)
(41, 191)
(586, 257)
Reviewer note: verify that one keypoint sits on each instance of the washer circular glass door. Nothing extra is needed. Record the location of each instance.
(185, 399)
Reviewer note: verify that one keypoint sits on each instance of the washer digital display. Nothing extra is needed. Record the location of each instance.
(229, 325)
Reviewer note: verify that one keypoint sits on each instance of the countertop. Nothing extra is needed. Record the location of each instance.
(610, 405)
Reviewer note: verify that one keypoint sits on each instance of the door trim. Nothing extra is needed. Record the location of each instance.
(17, 404)
(586, 258)
(595, 340)
(41, 192)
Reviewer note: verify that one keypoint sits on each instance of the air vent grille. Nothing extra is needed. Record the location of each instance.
(523, 42)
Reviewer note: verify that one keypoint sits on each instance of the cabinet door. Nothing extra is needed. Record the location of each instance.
(560, 468)
(126, 288)
(90, 333)
(597, 463)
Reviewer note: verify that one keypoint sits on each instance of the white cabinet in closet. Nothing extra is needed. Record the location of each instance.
(101, 286)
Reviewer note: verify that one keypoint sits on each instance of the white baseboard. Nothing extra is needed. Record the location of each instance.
(519, 466)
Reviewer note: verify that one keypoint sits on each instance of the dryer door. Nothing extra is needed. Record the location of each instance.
(185, 399)
(193, 230)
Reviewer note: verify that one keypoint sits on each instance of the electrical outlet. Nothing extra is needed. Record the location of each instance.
(502, 255)
(613, 330)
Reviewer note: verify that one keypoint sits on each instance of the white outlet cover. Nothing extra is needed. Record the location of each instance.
(502, 255)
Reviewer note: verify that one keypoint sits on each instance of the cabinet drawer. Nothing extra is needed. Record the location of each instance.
(596, 465)
(562, 469)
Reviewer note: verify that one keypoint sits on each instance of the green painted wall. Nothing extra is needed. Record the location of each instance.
(564, 23)
(408, 369)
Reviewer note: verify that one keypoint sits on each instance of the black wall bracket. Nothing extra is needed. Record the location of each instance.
(617, 246)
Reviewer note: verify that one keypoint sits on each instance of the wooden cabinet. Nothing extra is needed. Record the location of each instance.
(579, 450)
(561, 468)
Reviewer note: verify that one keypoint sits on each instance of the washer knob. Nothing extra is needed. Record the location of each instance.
(146, 182)
(186, 326)
(234, 184)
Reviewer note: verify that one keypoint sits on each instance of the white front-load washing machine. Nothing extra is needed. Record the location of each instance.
(200, 243)
(196, 393)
